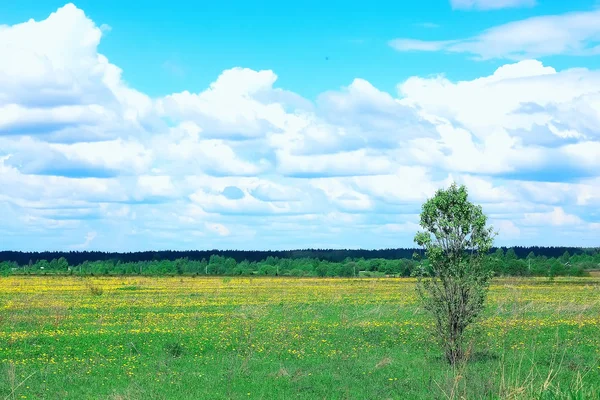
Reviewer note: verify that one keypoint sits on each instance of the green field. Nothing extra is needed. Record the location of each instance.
(288, 338)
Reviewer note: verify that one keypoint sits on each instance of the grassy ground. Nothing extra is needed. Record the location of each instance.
(278, 338)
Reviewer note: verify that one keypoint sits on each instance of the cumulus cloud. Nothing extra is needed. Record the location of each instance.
(246, 164)
(557, 217)
(348, 163)
(212, 156)
(228, 109)
(574, 33)
(405, 185)
(249, 196)
(53, 80)
(507, 122)
(371, 117)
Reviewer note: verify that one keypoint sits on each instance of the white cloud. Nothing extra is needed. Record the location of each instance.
(17, 186)
(586, 153)
(114, 154)
(512, 119)
(371, 117)
(250, 196)
(557, 217)
(495, 100)
(246, 164)
(156, 185)
(228, 108)
(588, 192)
(216, 202)
(56, 86)
(490, 4)
(406, 185)
(574, 33)
(484, 191)
(342, 195)
(98, 159)
(271, 191)
(358, 162)
(459, 150)
(35, 52)
(212, 156)
(17, 119)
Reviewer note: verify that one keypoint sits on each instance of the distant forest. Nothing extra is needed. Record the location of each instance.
(516, 261)
(332, 255)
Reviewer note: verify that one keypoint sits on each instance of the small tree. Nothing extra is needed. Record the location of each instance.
(454, 286)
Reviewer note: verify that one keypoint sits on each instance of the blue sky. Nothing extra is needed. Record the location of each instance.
(179, 45)
(274, 125)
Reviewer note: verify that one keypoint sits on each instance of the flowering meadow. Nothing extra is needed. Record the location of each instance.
(283, 338)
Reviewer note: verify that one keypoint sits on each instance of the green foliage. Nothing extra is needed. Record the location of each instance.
(532, 265)
(456, 240)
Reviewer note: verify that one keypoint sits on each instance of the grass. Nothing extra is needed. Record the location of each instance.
(288, 338)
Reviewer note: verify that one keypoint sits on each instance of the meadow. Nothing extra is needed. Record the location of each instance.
(198, 337)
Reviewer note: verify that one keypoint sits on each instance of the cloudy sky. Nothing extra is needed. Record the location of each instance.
(267, 125)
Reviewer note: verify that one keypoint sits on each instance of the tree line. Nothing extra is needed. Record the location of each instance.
(333, 255)
(319, 263)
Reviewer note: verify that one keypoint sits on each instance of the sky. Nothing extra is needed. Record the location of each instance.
(129, 126)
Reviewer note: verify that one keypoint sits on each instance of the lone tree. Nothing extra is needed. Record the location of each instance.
(454, 286)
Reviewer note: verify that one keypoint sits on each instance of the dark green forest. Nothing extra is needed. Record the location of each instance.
(517, 261)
